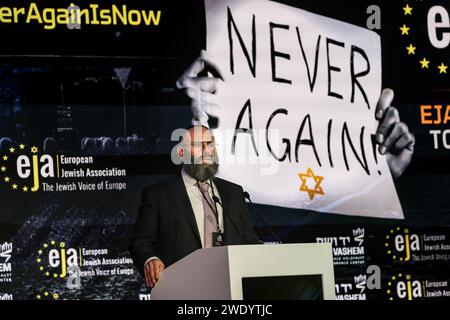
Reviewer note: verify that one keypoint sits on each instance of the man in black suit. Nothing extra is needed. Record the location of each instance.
(191, 211)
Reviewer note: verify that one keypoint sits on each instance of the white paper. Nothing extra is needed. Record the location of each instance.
(268, 180)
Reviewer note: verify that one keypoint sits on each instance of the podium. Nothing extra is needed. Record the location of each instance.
(280, 271)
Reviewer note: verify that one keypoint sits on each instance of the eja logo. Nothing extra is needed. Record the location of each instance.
(400, 243)
(23, 168)
(54, 259)
(404, 287)
(430, 52)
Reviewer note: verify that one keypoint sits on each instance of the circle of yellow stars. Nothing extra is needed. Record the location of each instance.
(388, 239)
(46, 295)
(45, 247)
(4, 159)
(392, 282)
(405, 30)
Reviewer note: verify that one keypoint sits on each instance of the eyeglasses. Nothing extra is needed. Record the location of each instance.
(204, 144)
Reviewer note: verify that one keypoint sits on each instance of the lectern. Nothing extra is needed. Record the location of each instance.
(255, 272)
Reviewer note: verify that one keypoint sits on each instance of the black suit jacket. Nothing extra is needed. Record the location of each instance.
(166, 225)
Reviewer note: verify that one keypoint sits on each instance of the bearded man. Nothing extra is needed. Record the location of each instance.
(191, 211)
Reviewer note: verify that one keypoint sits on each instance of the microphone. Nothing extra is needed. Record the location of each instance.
(216, 200)
(247, 196)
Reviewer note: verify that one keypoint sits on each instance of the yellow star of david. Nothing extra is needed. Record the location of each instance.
(317, 179)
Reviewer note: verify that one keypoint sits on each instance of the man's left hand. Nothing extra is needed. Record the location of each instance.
(393, 136)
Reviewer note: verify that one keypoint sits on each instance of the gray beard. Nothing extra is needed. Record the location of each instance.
(201, 172)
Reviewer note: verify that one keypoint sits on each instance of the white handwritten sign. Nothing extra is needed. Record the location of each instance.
(311, 85)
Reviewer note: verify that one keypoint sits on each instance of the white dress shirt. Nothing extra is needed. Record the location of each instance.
(196, 200)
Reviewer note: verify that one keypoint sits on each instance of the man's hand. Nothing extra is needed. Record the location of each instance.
(152, 270)
(393, 136)
(202, 90)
